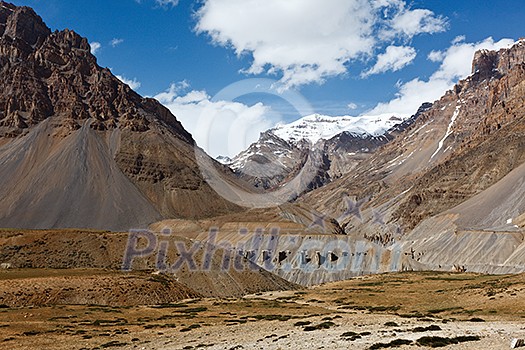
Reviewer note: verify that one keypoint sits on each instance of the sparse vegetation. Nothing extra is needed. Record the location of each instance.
(30, 333)
(189, 328)
(234, 321)
(393, 344)
(322, 325)
(441, 310)
(437, 342)
(92, 324)
(431, 328)
(170, 306)
(351, 336)
(113, 343)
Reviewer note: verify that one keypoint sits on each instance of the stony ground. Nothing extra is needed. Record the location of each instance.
(405, 311)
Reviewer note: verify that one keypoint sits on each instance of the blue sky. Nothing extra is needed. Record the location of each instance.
(345, 57)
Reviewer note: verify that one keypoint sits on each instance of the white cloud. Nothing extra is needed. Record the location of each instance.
(414, 22)
(436, 56)
(95, 46)
(116, 41)
(456, 63)
(458, 39)
(133, 83)
(308, 41)
(220, 127)
(394, 59)
(352, 106)
(457, 59)
(166, 3)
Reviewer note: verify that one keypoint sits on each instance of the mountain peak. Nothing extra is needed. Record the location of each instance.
(315, 127)
(22, 23)
(55, 75)
(78, 144)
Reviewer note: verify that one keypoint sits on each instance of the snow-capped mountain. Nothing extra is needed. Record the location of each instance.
(315, 127)
(224, 159)
(337, 143)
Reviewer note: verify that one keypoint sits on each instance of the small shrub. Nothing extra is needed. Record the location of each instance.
(169, 306)
(351, 336)
(323, 325)
(29, 333)
(383, 308)
(431, 328)
(189, 328)
(393, 344)
(437, 342)
(118, 321)
(236, 321)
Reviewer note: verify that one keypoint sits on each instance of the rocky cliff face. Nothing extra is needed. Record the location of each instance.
(466, 143)
(53, 74)
(78, 148)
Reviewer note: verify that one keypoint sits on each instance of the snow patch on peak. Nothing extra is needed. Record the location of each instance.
(315, 127)
(224, 160)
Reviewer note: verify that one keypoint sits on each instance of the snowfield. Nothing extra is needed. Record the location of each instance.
(316, 127)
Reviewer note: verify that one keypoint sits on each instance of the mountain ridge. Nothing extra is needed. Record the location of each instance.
(316, 127)
(334, 145)
(443, 158)
(131, 156)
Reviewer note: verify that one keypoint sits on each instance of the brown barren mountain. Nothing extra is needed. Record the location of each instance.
(447, 192)
(79, 148)
(470, 139)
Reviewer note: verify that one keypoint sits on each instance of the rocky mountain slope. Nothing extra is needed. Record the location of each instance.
(449, 189)
(468, 141)
(446, 194)
(332, 146)
(79, 148)
(96, 253)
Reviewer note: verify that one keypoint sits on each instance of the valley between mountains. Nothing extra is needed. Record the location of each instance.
(119, 231)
